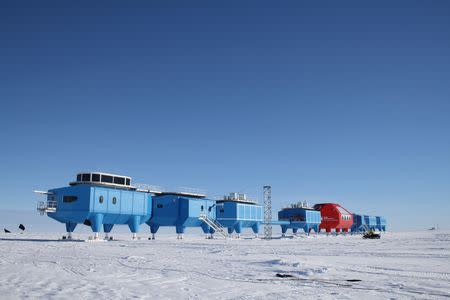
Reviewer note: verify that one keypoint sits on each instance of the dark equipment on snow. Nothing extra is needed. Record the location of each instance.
(21, 227)
(371, 235)
(283, 275)
(6, 230)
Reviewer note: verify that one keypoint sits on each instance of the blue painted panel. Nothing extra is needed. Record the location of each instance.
(126, 203)
(236, 216)
(86, 205)
(370, 221)
(241, 212)
(299, 218)
(138, 203)
(300, 215)
(114, 208)
(358, 223)
(100, 200)
(381, 223)
(173, 210)
(195, 208)
(247, 215)
(165, 211)
(81, 203)
(362, 223)
(74, 211)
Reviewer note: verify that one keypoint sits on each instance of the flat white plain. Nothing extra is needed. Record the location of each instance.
(398, 266)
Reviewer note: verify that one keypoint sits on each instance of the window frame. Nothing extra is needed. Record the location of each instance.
(120, 178)
(107, 176)
(95, 174)
(69, 198)
(84, 175)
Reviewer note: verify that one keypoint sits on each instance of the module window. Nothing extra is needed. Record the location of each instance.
(107, 179)
(96, 177)
(119, 180)
(70, 198)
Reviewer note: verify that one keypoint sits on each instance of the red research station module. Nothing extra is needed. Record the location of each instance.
(335, 217)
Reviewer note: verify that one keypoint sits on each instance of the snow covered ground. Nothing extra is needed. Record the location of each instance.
(398, 266)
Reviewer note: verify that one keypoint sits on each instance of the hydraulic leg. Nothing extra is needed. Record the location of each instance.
(96, 223)
(153, 229)
(107, 229)
(70, 227)
(133, 224)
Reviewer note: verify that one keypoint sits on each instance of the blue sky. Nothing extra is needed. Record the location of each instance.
(334, 101)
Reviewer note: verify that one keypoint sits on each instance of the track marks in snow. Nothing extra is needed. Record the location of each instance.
(398, 265)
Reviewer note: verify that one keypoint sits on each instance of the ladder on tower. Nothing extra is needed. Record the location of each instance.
(213, 224)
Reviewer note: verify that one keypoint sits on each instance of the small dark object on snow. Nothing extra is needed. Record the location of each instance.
(371, 235)
(87, 222)
(284, 275)
(21, 227)
(354, 280)
(6, 230)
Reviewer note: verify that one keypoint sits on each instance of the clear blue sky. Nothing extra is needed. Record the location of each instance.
(341, 101)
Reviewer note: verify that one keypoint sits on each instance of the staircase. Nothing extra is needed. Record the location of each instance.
(366, 228)
(214, 225)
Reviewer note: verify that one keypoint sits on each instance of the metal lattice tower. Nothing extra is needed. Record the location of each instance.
(267, 196)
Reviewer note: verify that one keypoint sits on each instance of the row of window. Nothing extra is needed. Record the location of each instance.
(94, 177)
(75, 198)
(346, 217)
(159, 205)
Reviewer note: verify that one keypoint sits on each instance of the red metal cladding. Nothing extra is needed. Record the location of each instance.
(334, 217)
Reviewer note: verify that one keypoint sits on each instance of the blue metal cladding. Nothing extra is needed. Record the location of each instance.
(235, 216)
(181, 212)
(381, 223)
(362, 223)
(300, 218)
(100, 206)
(358, 223)
(371, 222)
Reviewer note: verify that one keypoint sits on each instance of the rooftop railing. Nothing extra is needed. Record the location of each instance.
(46, 206)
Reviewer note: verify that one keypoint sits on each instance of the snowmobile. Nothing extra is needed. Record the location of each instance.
(371, 235)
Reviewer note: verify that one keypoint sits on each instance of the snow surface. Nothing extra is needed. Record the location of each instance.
(398, 266)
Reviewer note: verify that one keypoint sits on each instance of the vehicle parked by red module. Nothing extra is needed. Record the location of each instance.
(334, 217)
